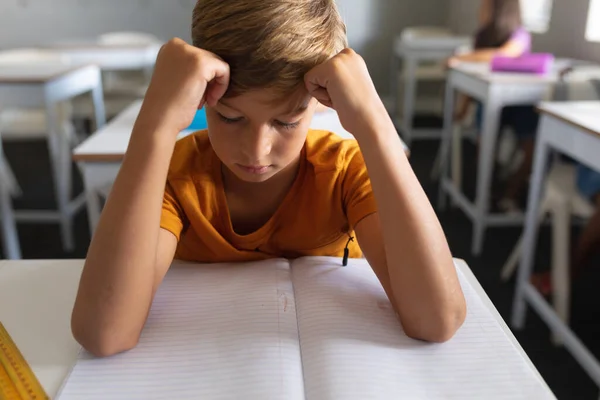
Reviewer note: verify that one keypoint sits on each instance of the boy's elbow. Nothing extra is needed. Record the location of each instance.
(100, 342)
(443, 327)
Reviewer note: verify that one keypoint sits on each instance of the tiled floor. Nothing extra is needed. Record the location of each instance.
(564, 376)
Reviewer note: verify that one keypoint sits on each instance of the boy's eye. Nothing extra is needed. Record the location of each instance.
(288, 125)
(229, 120)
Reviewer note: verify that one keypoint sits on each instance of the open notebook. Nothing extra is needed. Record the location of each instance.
(309, 329)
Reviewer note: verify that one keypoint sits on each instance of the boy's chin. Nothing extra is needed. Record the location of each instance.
(254, 176)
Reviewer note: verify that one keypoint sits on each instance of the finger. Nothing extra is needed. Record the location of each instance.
(218, 81)
(317, 77)
(322, 96)
(326, 104)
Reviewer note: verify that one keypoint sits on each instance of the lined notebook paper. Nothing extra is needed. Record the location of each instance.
(354, 348)
(214, 332)
(313, 330)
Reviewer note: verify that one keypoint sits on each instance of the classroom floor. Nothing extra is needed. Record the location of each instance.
(565, 377)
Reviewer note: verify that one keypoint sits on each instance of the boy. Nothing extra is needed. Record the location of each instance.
(259, 184)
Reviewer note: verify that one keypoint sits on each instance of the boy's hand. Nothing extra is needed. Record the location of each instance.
(343, 83)
(184, 79)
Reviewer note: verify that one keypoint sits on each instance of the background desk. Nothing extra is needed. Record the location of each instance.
(495, 91)
(110, 57)
(571, 128)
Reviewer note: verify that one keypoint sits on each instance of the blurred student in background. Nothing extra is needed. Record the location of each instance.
(501, 32)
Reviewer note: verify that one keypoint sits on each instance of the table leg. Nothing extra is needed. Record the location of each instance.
(444, 152)
(485, 169)
(457, 157)
(561, 252)
(10, 237)
(94, 208)
(60, 159)
(410, 87)
(98, 101)
(531, 227)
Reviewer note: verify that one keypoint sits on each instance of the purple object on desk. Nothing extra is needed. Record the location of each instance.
(533, 63)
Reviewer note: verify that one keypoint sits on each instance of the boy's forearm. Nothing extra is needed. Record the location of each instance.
(420, 267)
(117, 282)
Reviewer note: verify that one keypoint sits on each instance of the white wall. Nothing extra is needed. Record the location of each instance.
(565, 36)
(372, 24)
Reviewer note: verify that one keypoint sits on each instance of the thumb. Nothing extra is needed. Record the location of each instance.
(218, 82)
(316, 85)
(322, 96)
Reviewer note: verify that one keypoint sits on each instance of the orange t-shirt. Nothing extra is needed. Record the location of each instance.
(331, 194)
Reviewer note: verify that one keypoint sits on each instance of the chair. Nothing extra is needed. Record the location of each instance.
(30, 123)
(127, 83)
(438, 43)
(121, 88)
(561, 201)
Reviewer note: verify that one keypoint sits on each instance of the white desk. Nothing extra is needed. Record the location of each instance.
(44, 86)
(495, 91)
(100, 156)
(573, 129)
(110, 57)
(414, 51)
(36, 299)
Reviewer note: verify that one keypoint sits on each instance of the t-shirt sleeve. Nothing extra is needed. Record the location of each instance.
(358, 197)
(172, 215)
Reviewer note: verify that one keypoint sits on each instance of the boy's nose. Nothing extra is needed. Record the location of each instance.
(257, 143)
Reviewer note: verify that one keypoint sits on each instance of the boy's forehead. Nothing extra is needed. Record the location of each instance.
(271, 100)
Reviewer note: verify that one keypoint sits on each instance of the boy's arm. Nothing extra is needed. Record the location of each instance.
(404, 241)
(130, 253)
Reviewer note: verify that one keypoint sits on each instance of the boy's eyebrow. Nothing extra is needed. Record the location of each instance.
(229, 106)
(299, 109)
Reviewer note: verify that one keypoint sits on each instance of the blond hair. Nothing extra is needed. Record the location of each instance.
(269, 43)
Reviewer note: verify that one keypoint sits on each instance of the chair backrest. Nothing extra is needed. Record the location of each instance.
(418, 32)
(127, 38)
(578, 84)
(32, 56)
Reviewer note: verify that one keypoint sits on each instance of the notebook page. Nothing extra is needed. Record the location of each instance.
(353, 346)
(223, 331)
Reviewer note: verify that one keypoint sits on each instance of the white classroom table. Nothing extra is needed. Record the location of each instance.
(44, 86)
(413, 52)
(110, 57)
(100, 156)
(36, 300)
(571, 128)
(495, 91)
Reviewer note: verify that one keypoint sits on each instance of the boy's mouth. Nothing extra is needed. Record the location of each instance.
(254, 169)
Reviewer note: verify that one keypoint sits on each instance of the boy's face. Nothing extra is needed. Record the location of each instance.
(255, 139)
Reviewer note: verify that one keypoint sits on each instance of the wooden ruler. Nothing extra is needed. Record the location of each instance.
(17, 381)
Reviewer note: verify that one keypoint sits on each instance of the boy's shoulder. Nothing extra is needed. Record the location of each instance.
(191, 153)
(327, 151)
